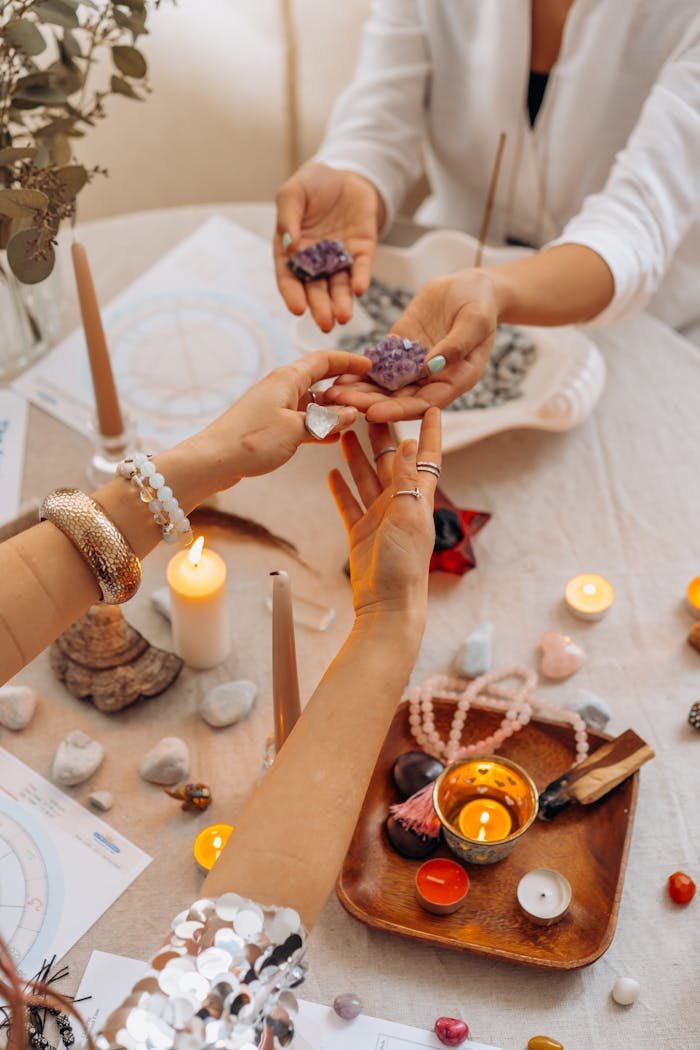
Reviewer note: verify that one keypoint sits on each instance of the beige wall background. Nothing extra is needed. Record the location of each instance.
(216, 126)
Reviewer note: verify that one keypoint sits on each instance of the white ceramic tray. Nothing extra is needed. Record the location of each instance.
(561, 388)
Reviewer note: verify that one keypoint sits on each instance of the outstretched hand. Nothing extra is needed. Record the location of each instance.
(455, 317)
(316, 203)
(391, 536)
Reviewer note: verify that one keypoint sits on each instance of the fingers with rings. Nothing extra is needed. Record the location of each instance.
(384, 448)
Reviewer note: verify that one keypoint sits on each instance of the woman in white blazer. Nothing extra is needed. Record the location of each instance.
(600, 103)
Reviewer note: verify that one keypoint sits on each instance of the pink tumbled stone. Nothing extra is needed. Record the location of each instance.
(451, 1031)
(561, 656)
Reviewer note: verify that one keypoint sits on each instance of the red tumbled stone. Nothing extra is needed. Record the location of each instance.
(451, 1031)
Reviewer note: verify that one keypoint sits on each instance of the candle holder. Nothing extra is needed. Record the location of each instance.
(109, 450)
(485, 805)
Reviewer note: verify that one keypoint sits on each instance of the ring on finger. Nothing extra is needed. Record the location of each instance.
(384, 451)
(416, 493)
(429, 468)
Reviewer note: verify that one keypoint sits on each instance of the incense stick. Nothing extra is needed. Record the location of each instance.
(490, 200)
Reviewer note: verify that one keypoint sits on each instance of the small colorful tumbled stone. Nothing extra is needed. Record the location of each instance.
(625, 991)
(413, 770)
(407, 843)
(561, 656)
(348, 1006)
(694, 636)
(694, 715)
(396, 362)
(592, 709)
(451, 1031)
(681, 888)
(544, 1042)
(322, 259)
(475, 656)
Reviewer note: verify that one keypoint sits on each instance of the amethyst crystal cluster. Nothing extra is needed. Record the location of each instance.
(322, 259)
(396, 362)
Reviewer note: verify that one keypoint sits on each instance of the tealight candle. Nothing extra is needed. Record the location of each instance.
(210, 843)
(589, 596)
(199, 606)
(441, 885)
(485, 820)
(692, 596)
(544, 895)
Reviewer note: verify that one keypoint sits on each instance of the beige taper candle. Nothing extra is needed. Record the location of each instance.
(109, 414)
(285, 681)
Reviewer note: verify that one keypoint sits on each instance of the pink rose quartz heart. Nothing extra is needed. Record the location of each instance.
(561, 656)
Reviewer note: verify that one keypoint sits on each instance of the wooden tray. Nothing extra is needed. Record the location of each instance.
(588, 844)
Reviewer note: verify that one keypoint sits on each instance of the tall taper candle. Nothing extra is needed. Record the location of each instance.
(285, 681)
(109, 414)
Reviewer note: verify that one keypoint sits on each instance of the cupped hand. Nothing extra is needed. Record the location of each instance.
(266, 426)
(455, 317)
(391, 536)
(320, 202)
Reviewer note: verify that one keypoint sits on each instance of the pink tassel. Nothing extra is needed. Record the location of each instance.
(418, 814)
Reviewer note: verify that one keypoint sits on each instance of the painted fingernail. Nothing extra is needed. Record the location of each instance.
(286, 241)
(436, 364)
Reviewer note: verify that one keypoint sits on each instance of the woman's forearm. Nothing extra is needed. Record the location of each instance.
(46, 584)
(566, 284)
(315, 788)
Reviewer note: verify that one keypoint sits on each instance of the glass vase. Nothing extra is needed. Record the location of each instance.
(29, 320)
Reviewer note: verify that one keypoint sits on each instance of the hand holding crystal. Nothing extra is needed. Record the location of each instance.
(391, 533)
(455, 316)
(316, 203)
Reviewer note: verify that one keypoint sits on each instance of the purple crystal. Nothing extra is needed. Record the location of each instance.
(396, 362)
(348, 1005)
(322, 259)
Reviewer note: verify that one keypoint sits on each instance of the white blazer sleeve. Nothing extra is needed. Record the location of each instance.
(652, 195)
(376, 128)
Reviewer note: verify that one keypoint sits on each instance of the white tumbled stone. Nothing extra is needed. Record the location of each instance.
(625, 991)
(166, 763)
(102, 800)
(17, 706)
(475, 656)
(592, 709)
(228, 703)
(77, 757)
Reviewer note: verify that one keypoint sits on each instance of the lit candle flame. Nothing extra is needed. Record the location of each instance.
(590, 588)
(484, 819)
(195, 552)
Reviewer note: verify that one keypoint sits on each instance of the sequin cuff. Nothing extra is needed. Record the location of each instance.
(222, 979)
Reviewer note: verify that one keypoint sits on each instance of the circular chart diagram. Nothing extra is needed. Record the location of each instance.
(31, 889)
(182, 358)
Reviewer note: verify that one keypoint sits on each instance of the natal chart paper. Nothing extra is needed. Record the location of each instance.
(186, 339)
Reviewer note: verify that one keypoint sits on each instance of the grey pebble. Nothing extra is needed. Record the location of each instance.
(228, 702)
(101, 800)
(17, 706)
(77, 757)
(166, 763)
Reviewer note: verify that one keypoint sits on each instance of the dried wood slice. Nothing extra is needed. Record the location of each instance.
(103, 659)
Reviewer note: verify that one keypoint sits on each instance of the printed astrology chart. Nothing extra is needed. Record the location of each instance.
(60, 866)
(186, 339)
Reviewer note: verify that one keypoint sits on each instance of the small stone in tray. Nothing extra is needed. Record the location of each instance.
(322, 259)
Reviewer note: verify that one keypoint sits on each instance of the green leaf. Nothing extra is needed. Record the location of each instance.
(129, 61)
(57, 13)
(25, 36)
(133, 20)
(69, 182)
(60, 150)
(71, 45)
(122, 87)
(22, 204)
(11, 154)
(34, 95)
(31, 255)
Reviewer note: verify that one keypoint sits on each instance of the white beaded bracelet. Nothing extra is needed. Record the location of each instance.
(162, 503)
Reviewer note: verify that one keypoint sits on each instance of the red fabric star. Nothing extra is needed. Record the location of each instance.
(458, 557)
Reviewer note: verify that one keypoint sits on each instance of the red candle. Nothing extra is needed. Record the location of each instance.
(441, 885)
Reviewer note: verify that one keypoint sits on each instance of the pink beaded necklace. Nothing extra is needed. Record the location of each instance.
(516, 703)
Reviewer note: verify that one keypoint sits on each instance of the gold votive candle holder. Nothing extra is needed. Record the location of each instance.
(510, 803)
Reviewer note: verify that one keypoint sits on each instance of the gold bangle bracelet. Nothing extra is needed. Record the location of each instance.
(98, 540)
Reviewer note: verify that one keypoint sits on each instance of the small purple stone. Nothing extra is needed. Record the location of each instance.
(322, 259)
(348, 1006)
(396, 362)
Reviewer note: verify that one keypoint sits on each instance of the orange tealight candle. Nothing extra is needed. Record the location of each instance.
(441, 885)
(485, 820)
(210, 843)
(692, 596)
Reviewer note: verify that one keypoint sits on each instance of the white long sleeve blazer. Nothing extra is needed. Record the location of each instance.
(613, 161)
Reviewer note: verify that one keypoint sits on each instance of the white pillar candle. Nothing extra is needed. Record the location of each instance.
(589, 596)
(199, 604)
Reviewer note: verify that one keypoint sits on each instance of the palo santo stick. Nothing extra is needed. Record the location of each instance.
(490, 200)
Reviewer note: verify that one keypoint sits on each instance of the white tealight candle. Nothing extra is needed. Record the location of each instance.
(197, 582)
(544, 895)
(589, 596)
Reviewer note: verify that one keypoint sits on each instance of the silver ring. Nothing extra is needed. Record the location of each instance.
(312, 394)
(320, 421)
(416, 493)
(431, 468)
(383, 451)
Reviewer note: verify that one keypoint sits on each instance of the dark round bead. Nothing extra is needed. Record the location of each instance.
(413, 770)
(406, 842)
(694, 715)
(448, 529)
